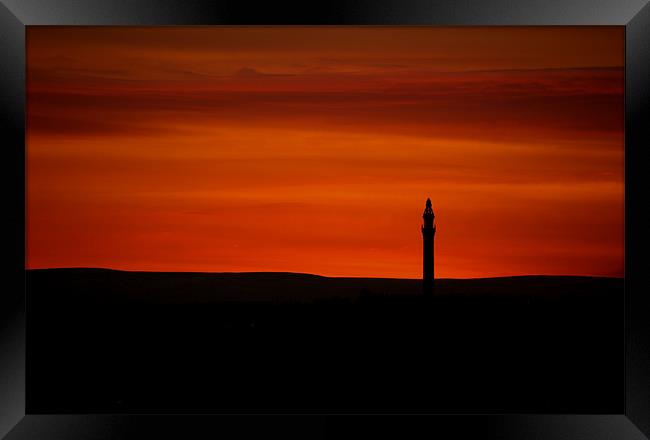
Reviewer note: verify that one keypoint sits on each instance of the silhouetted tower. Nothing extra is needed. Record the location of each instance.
(428, 233)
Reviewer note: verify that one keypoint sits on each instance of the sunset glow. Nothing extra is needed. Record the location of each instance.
(313, 149)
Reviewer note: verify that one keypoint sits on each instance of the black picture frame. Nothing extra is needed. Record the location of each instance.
(15, 15)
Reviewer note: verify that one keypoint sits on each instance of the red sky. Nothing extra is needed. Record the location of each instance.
(314, 149)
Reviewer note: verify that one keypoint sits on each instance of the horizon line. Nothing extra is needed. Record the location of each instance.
(318, 275)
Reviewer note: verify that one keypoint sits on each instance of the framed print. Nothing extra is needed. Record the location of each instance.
(289, 215)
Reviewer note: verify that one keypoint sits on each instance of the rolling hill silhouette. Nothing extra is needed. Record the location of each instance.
(120, 341)
(204, 287)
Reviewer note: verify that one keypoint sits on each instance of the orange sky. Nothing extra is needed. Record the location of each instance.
(314, 149)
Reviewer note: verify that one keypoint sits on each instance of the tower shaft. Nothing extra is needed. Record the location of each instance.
(427, 258)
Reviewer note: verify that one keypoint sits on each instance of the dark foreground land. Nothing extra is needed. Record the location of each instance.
(110, 341)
